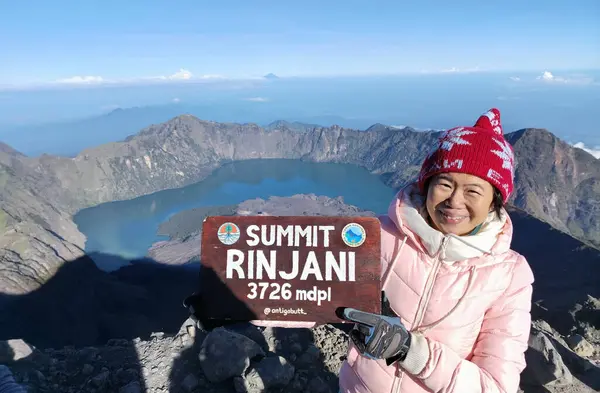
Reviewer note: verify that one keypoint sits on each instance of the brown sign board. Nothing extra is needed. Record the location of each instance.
(289, 268)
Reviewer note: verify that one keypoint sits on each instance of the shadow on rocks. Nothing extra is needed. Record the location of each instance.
(82, 329)
(582, 368)
(227, 356)
(551, 363)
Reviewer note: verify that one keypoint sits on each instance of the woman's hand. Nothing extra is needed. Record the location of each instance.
(378, 336)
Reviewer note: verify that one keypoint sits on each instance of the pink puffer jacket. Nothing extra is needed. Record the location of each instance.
(466, 301)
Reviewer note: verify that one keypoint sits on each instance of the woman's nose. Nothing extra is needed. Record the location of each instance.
(456, 199)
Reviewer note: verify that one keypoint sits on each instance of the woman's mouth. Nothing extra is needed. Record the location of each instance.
(452, 218)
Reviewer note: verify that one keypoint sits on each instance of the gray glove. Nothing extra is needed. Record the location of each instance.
(378, 336)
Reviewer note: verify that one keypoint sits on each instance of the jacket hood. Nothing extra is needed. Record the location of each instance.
(407, 211)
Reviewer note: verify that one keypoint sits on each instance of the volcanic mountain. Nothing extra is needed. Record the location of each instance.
(555, 182)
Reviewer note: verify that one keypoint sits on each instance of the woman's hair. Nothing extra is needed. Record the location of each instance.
(497, 201)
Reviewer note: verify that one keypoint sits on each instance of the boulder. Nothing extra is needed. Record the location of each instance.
(545, 366)
(270, 372)
(14, 350)
(580, 346)
(225, 354)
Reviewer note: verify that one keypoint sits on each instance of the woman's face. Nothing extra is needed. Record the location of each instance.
(458, 202)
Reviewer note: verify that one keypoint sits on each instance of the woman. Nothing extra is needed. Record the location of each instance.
(456, 298)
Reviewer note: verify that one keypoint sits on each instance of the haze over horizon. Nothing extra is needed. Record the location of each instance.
(539, 62)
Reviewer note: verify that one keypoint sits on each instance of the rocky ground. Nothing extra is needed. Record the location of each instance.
(244, 358)
(240, 358)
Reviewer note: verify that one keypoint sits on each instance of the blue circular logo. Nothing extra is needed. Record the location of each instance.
(354, 235)
(228, 233)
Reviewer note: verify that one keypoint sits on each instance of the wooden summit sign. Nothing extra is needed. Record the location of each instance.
(290, 268)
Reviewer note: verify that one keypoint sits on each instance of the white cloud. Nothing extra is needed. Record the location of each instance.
(515, 79)
(257, 99)
(452, 70)
(212, 76)
(77, 80)
(455, 70)
(176, 100)
(180, 75)
(595, 151)
(183, 75)
(549, 77)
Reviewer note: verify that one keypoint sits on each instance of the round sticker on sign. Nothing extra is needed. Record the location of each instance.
(354, 234)
(228, 233)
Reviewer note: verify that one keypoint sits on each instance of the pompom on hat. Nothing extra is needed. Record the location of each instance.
(480, 150)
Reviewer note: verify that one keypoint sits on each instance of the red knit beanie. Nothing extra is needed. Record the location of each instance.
(480, 150)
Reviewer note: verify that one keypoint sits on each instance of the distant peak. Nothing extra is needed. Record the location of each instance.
(116, 110)
(384, 127)
(4, 148)
(530, 134)
(378, 127)
(271, 76)
(186, 117)
(278, 123)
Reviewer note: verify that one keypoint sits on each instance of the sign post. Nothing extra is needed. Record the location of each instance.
(289, 268)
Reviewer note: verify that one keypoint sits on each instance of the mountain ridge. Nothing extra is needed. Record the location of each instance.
(41, 194)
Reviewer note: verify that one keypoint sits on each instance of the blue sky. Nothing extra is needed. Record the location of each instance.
(99, 41)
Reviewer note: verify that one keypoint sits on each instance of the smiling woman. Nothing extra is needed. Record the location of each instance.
(457, 307)
(459, 203)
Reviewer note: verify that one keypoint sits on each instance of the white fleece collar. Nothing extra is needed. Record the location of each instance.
(409, 212)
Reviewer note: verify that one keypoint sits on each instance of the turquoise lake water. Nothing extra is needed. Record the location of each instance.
(128, 228)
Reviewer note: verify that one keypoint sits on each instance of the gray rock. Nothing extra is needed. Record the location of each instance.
(580, 346)
(101, 379)
(14, 350)
(184, 338)
(190, 383)
(126, 376)
(157, 335)
(132, 387)
(88, 353)
(39, 376)
(225, 354)
(543, 326)
(317, 385)
(87, 369)
(296, 347)
(590, 333)
(270, 372)
(545, 366)
(251, 331)
(310, 356)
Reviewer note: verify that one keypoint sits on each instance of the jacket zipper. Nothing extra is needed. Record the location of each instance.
(420, 314)
(429, 284)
